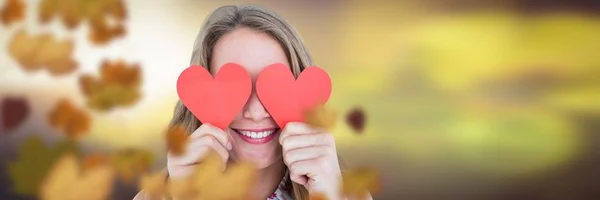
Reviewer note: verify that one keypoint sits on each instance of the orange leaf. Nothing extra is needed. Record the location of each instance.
(317, 196)
(320, 117)
(360, 182)
(39, 51)
(93, 160)
(13, 11)
(69, 119)
(177, 138)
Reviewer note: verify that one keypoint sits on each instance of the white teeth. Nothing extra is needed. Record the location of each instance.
(256, 135)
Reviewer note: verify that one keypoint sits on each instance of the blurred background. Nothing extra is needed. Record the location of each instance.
(464, 99)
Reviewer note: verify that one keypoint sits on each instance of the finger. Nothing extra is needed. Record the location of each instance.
(300, 179)
(309, 140)
(217, 133)
(306, 167)
(295, 128)
(302, 154)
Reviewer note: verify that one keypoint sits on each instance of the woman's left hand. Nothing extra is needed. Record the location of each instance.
(311, 157)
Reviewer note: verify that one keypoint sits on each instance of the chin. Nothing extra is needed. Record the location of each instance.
(258, 146)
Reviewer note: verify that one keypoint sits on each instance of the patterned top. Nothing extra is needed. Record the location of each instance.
(282, 192)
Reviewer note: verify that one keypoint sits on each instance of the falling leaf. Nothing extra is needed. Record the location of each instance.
(98, 12)
(113, 95)
(358, 183)
(13, 11)
(102, 33)
(154, 185)
(117, 86)
(14, 111)
(356, 119)
(177, 138)
(209, 181)
(317, 196)
(66, 181)
(34, 52)
(320, 117)
(130, 163)
(34, 161)
(72, 121)
(94, 160)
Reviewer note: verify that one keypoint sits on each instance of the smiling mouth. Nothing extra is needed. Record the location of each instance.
(257, 136)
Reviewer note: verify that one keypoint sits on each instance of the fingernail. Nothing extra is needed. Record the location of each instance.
(229, 146)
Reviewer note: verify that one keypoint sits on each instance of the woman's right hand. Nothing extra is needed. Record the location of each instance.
(203, 140)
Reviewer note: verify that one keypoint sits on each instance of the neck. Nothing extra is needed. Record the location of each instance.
(269, 179)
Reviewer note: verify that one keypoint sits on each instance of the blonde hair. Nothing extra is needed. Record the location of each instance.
(228, 18)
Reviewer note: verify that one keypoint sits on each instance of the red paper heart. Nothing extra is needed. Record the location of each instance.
(215, 101)
(286, 98)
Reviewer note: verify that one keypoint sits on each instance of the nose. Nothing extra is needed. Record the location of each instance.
(254, 109)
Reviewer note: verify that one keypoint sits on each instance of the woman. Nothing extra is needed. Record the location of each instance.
(293, 160)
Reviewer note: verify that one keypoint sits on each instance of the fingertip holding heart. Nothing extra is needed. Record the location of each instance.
(218, 100)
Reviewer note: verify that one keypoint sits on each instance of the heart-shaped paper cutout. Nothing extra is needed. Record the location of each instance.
(215, 101)
(286, 98)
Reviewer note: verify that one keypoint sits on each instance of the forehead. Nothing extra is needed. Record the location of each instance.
(253, 50)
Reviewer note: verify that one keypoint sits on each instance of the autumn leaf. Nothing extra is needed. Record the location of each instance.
(13, 11)
(102, 33)
(130, 163)
(177, 138)
(154, 185)
(34, 161)
(94, 160)
(72, 121)
(356, 119)
(120, 72)
(117, 86)
(97, 12)
(317, 196)
(14, 112)
(34, 52)
(358, 183)
(320, 117)
(66, 181)
(210, 181)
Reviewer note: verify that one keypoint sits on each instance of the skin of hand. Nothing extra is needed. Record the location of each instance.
(201, 142)
(311, 157)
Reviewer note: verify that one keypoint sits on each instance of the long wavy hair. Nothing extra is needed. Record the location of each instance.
(228, 18)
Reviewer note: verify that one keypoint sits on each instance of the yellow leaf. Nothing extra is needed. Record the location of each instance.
(65, 181)
(320, 117)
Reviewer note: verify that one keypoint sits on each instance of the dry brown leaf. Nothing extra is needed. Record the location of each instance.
(42, 51)
(92, 161)
(24, 47)
(358, 183)
(13, 112)
(12, 11)
(177, 138)
(72, 12)
(47, 10)
(65, 181)
(117, 86)
(209, 181)
(101, 33)
(56, 56)
(154, 185)
(120, 72)
(317, 196)
(320, 117)
(356, 119)
(73, 121)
